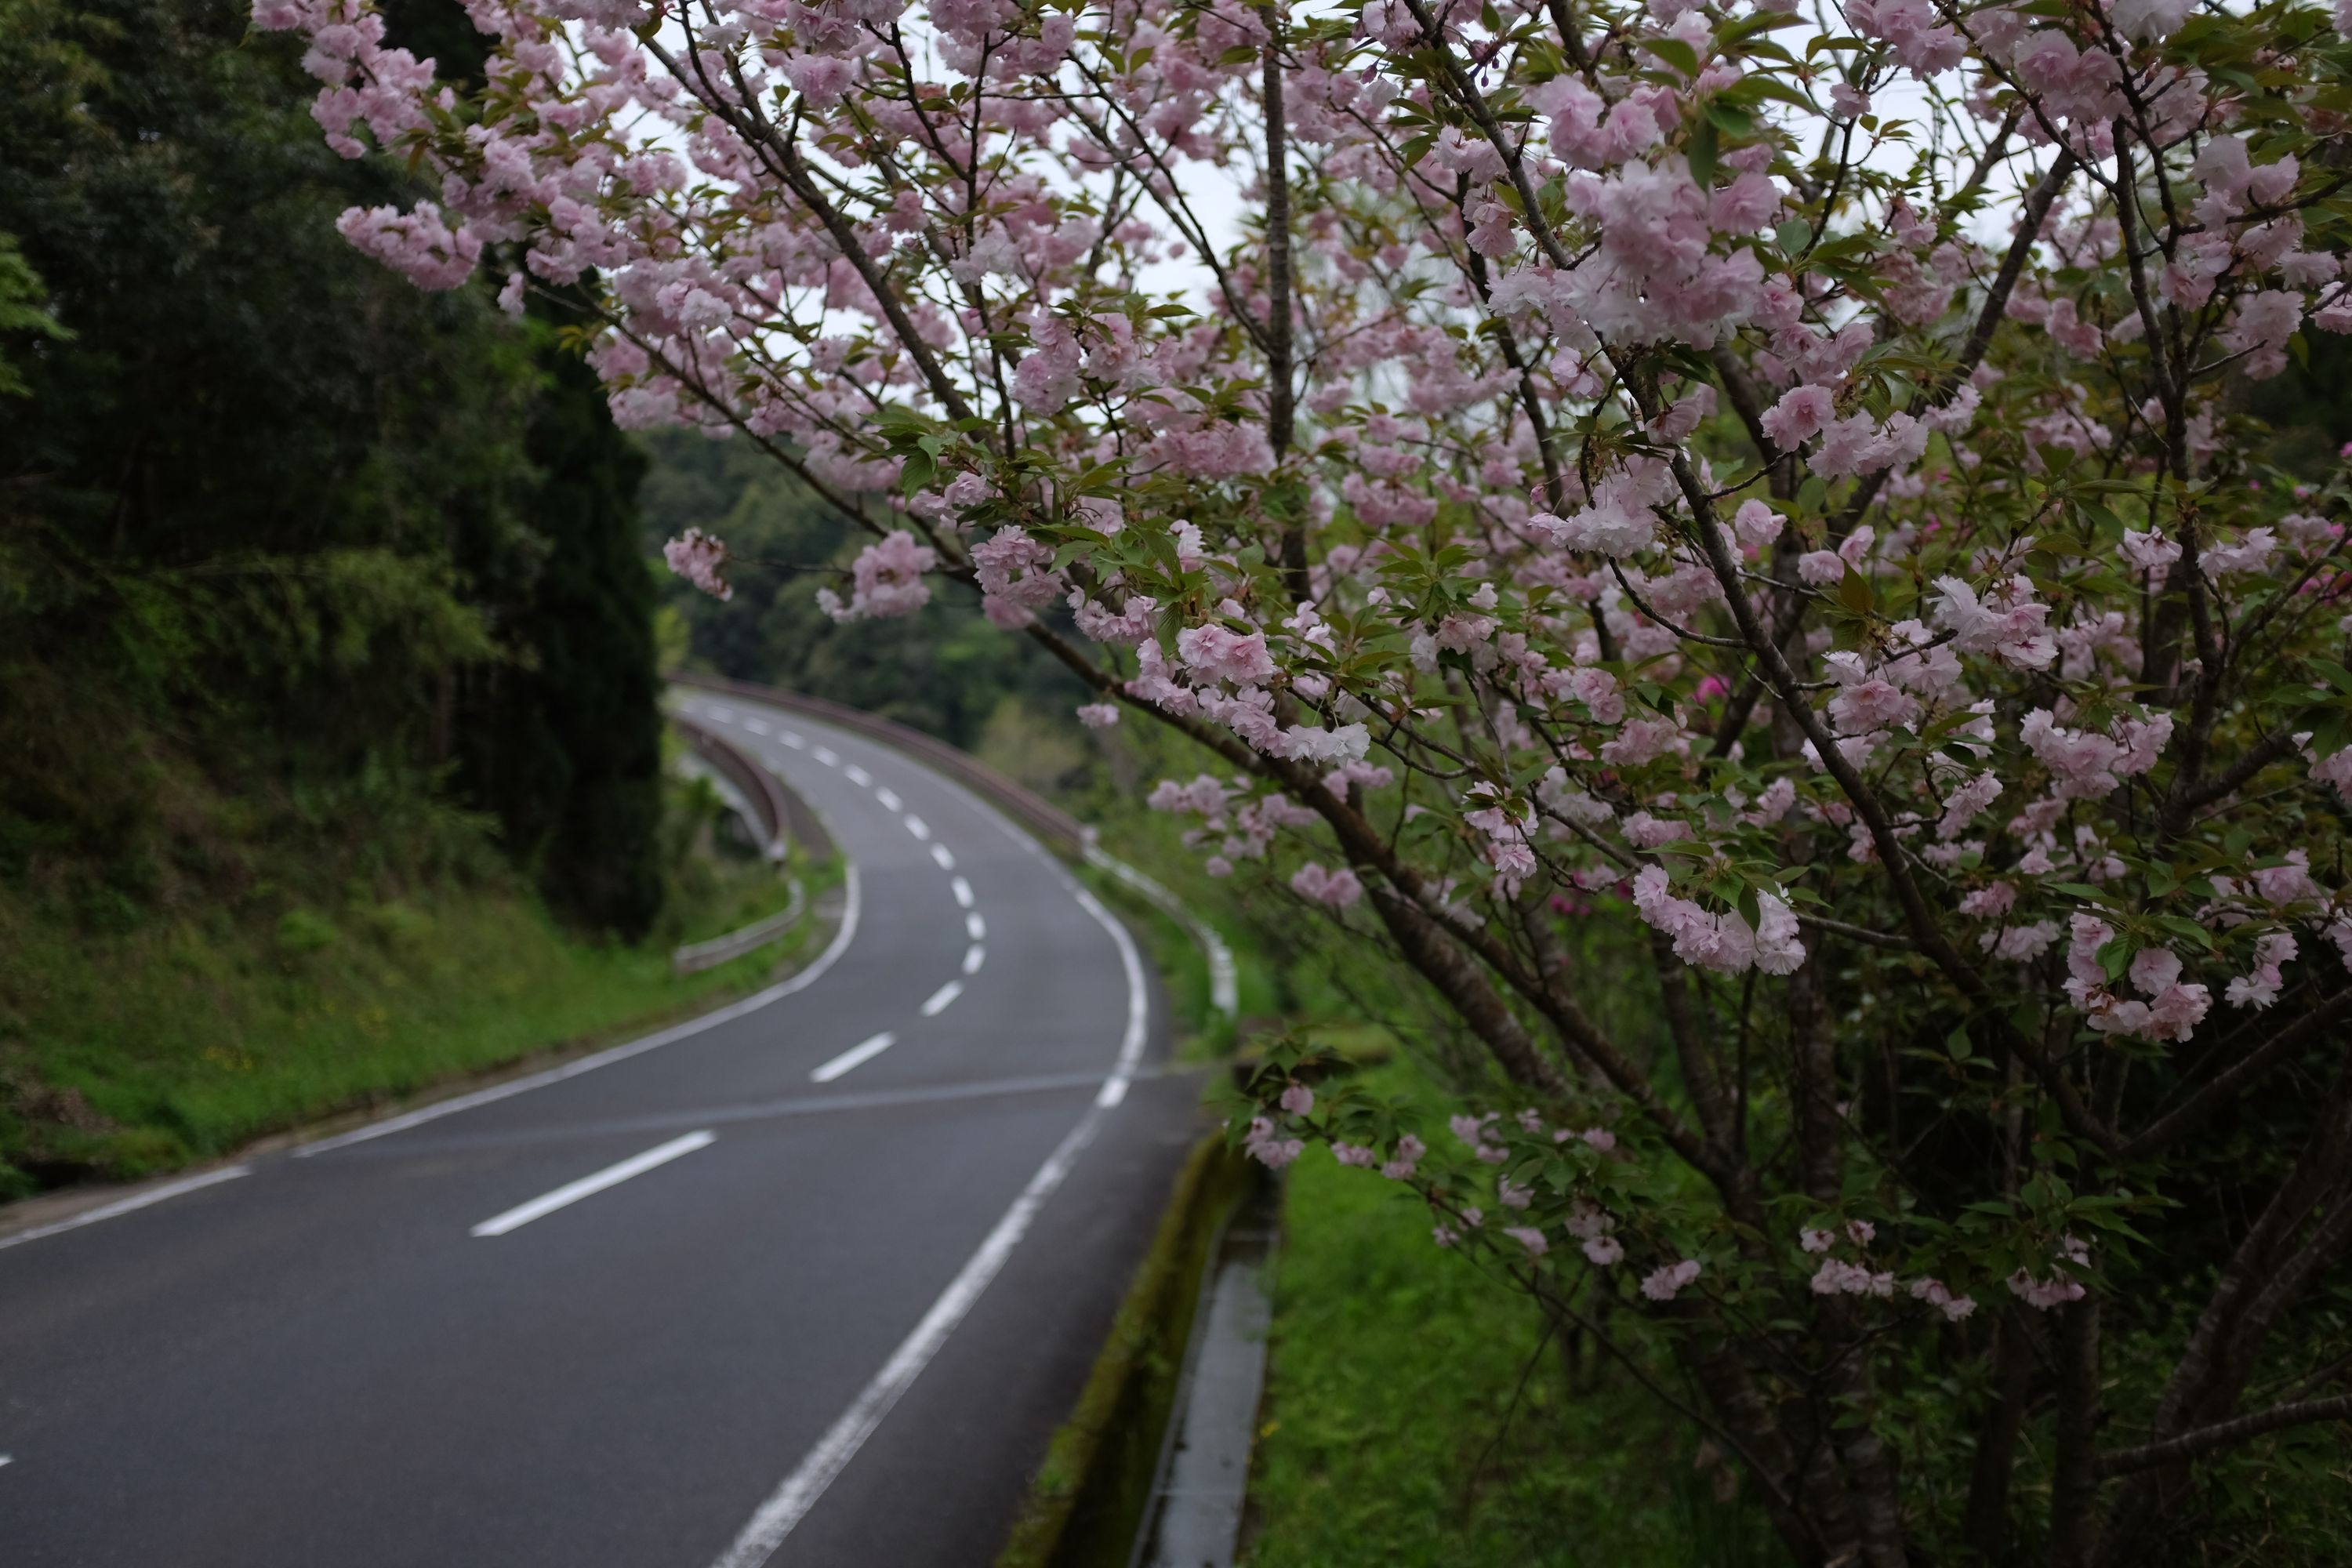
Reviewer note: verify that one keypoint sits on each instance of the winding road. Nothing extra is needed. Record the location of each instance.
(809, 1279)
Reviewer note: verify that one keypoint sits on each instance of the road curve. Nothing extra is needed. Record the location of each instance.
(809, 1282)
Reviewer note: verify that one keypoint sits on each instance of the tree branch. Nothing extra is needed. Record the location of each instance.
(2226, 1434)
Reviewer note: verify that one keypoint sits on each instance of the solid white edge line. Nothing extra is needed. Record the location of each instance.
(939, 853)
(1138, 1002)
(852, 902)
(127, 1205)
(856, 1056)
(1224, 985)
(962, 891)
(974, 927)
(937, 1003)
(973, 957)
(570, 1193)
(790, 1501)
(916, 825)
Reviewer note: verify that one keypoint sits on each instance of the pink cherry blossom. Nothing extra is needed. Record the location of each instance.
(1529, 1238)
(1665, 1283)
(1318, 884)
(1799, 417)
(888, 580)
(1218, 652)
(1938, 1295)
(701, 560)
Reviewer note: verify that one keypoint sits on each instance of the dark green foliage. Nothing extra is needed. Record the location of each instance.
(568, 749)
(22, 296)
(944, 670)
(2308, 406)
(272, 513)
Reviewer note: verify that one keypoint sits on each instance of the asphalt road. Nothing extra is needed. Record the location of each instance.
(758, 1290)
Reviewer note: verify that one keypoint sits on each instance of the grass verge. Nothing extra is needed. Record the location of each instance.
(128, 1054)
(1416, 1416)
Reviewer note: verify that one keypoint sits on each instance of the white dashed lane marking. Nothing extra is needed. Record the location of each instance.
(856, 1055)
(588, 1186)
(974, 926)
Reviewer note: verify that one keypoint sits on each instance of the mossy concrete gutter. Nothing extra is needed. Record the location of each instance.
(1089, 1500)
(1195, 1513)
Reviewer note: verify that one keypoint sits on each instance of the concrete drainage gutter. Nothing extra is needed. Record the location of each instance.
(1099, 1488)
(1194, 1519)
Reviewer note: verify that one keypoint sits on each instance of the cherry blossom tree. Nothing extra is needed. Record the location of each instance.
(1730, 516)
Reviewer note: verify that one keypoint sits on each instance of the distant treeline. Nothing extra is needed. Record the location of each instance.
(271, 518)
(946, 672)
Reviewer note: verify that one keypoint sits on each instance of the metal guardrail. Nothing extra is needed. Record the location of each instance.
(781, 817)
(697, 956)
(1025, 806)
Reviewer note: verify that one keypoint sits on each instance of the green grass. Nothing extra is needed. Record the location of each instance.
(127, 1054)
(1383, 1439)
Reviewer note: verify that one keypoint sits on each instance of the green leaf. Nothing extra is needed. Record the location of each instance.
(1793, 236)
(1675, 52)
(2335, 675)
(2182, 926)
(1729, 119)
(1705, 146)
